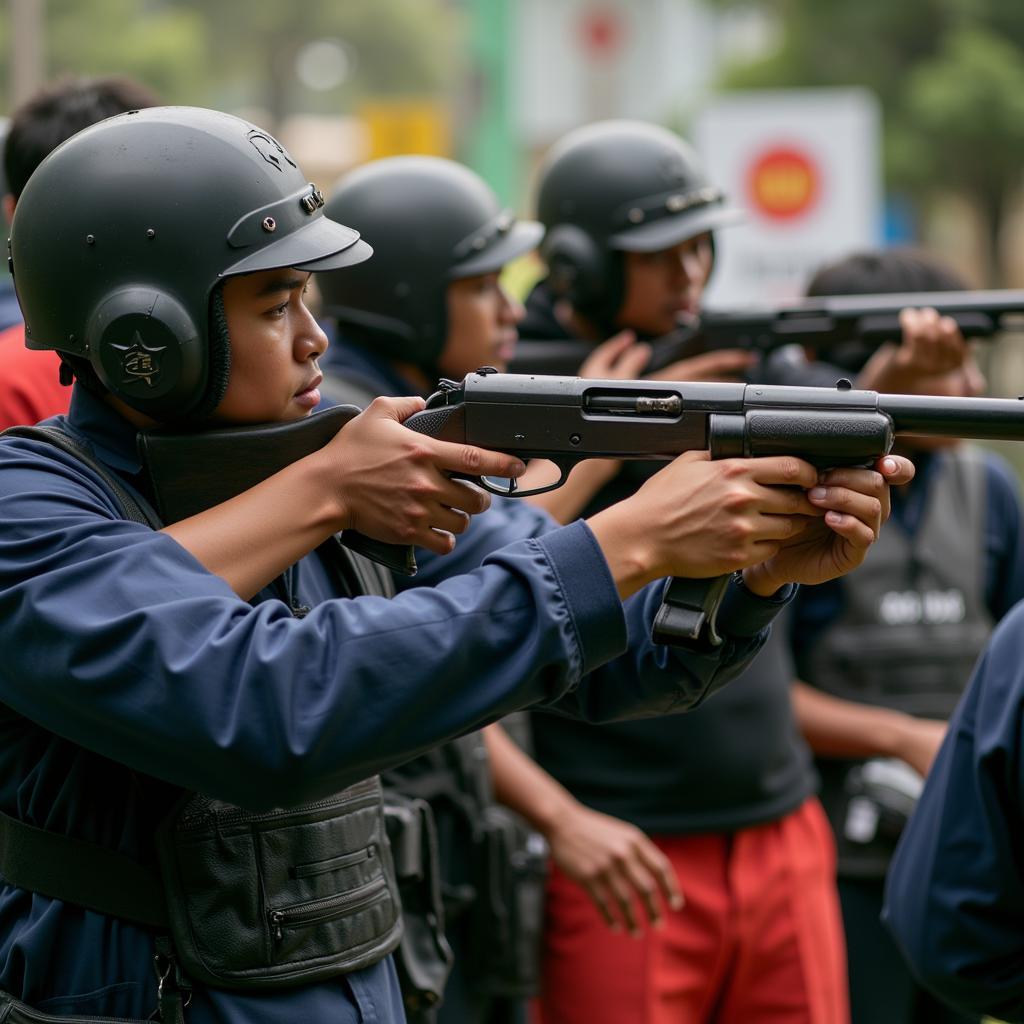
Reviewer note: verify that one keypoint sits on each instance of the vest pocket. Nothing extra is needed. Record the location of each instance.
(304, 916)
(281, 898)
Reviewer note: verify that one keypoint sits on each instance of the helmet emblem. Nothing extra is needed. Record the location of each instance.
(270, 149)
(139, 361)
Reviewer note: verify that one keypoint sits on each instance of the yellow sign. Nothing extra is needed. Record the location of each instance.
(402, 126)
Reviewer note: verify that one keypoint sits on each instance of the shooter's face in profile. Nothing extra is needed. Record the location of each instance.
(663, 288)
(482, 320)
(275, 343)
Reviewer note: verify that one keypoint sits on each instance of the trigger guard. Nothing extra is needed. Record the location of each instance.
(508, 492)
(514, 491)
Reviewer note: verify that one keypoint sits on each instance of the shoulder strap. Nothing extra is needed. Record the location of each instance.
(80, 873)
(60, 866)
(134, 506)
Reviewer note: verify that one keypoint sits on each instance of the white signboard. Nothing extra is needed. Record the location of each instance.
(805, 166)
(577, 61)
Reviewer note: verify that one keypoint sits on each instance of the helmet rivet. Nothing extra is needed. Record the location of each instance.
(90, 239)
(675, 203)
(479, 242)
(150, 233)
(636, 215)
(269, 224)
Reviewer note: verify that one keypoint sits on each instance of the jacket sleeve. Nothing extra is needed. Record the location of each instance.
(648, 678)
(955, 890)
(115, 638)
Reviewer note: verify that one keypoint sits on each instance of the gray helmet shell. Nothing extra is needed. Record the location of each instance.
(122, 233)
(614, 187)
(431, 221)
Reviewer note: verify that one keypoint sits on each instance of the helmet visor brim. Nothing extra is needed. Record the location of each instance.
(668, 231)
(521, 238)
(320, 244)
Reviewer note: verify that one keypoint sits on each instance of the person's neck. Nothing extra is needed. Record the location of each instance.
(133, 416)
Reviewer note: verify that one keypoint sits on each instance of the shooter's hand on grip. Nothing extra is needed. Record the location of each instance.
(394, 485)
(853, 503)
(698, 518)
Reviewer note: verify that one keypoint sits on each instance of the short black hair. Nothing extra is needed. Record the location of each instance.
(60, 110)
(880, 272)
(885, 271)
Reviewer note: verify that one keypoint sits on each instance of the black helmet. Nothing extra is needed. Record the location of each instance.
(122, 234)
(614, 187)
(431, 221)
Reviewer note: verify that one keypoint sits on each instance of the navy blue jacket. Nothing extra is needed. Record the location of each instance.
(130, 673)
(955, 891)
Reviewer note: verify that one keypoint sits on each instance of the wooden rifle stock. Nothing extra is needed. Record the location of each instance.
(191, 472)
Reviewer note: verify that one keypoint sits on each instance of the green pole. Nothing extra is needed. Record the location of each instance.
(490, 147)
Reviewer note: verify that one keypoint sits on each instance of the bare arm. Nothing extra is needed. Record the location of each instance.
(835, 727)
(612, 860)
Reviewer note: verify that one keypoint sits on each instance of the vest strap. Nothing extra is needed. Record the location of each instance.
(80, 873)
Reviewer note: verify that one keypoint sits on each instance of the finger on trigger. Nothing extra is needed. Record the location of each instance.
(473, 461)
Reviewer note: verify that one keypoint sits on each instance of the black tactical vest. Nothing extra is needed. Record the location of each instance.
(251, 900)
(913, 622)
(914, 617)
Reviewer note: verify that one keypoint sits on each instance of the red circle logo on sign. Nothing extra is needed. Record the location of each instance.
(783, 183)
(602, 32)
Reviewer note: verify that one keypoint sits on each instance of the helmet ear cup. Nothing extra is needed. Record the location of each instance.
(577, 265)
(147, 351)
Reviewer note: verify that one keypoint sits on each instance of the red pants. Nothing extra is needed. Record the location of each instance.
(759, 941)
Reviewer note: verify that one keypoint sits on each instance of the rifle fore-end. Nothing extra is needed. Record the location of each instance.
(189, 473)
(568, 419)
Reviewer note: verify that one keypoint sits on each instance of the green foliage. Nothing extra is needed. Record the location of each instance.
(968, 101)
(401, 47)
(241, 53)
(159, 44)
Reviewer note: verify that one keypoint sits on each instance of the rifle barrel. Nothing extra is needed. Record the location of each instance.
(983, 419)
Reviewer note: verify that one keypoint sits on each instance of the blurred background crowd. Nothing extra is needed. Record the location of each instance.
(927, 95)
(836, 126)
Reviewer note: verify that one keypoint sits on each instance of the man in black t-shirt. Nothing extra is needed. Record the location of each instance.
(726, 793)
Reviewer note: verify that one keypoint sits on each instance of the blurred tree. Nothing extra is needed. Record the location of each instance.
(236, 53)
(949, 74)
(396, 47)
(160, 44)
